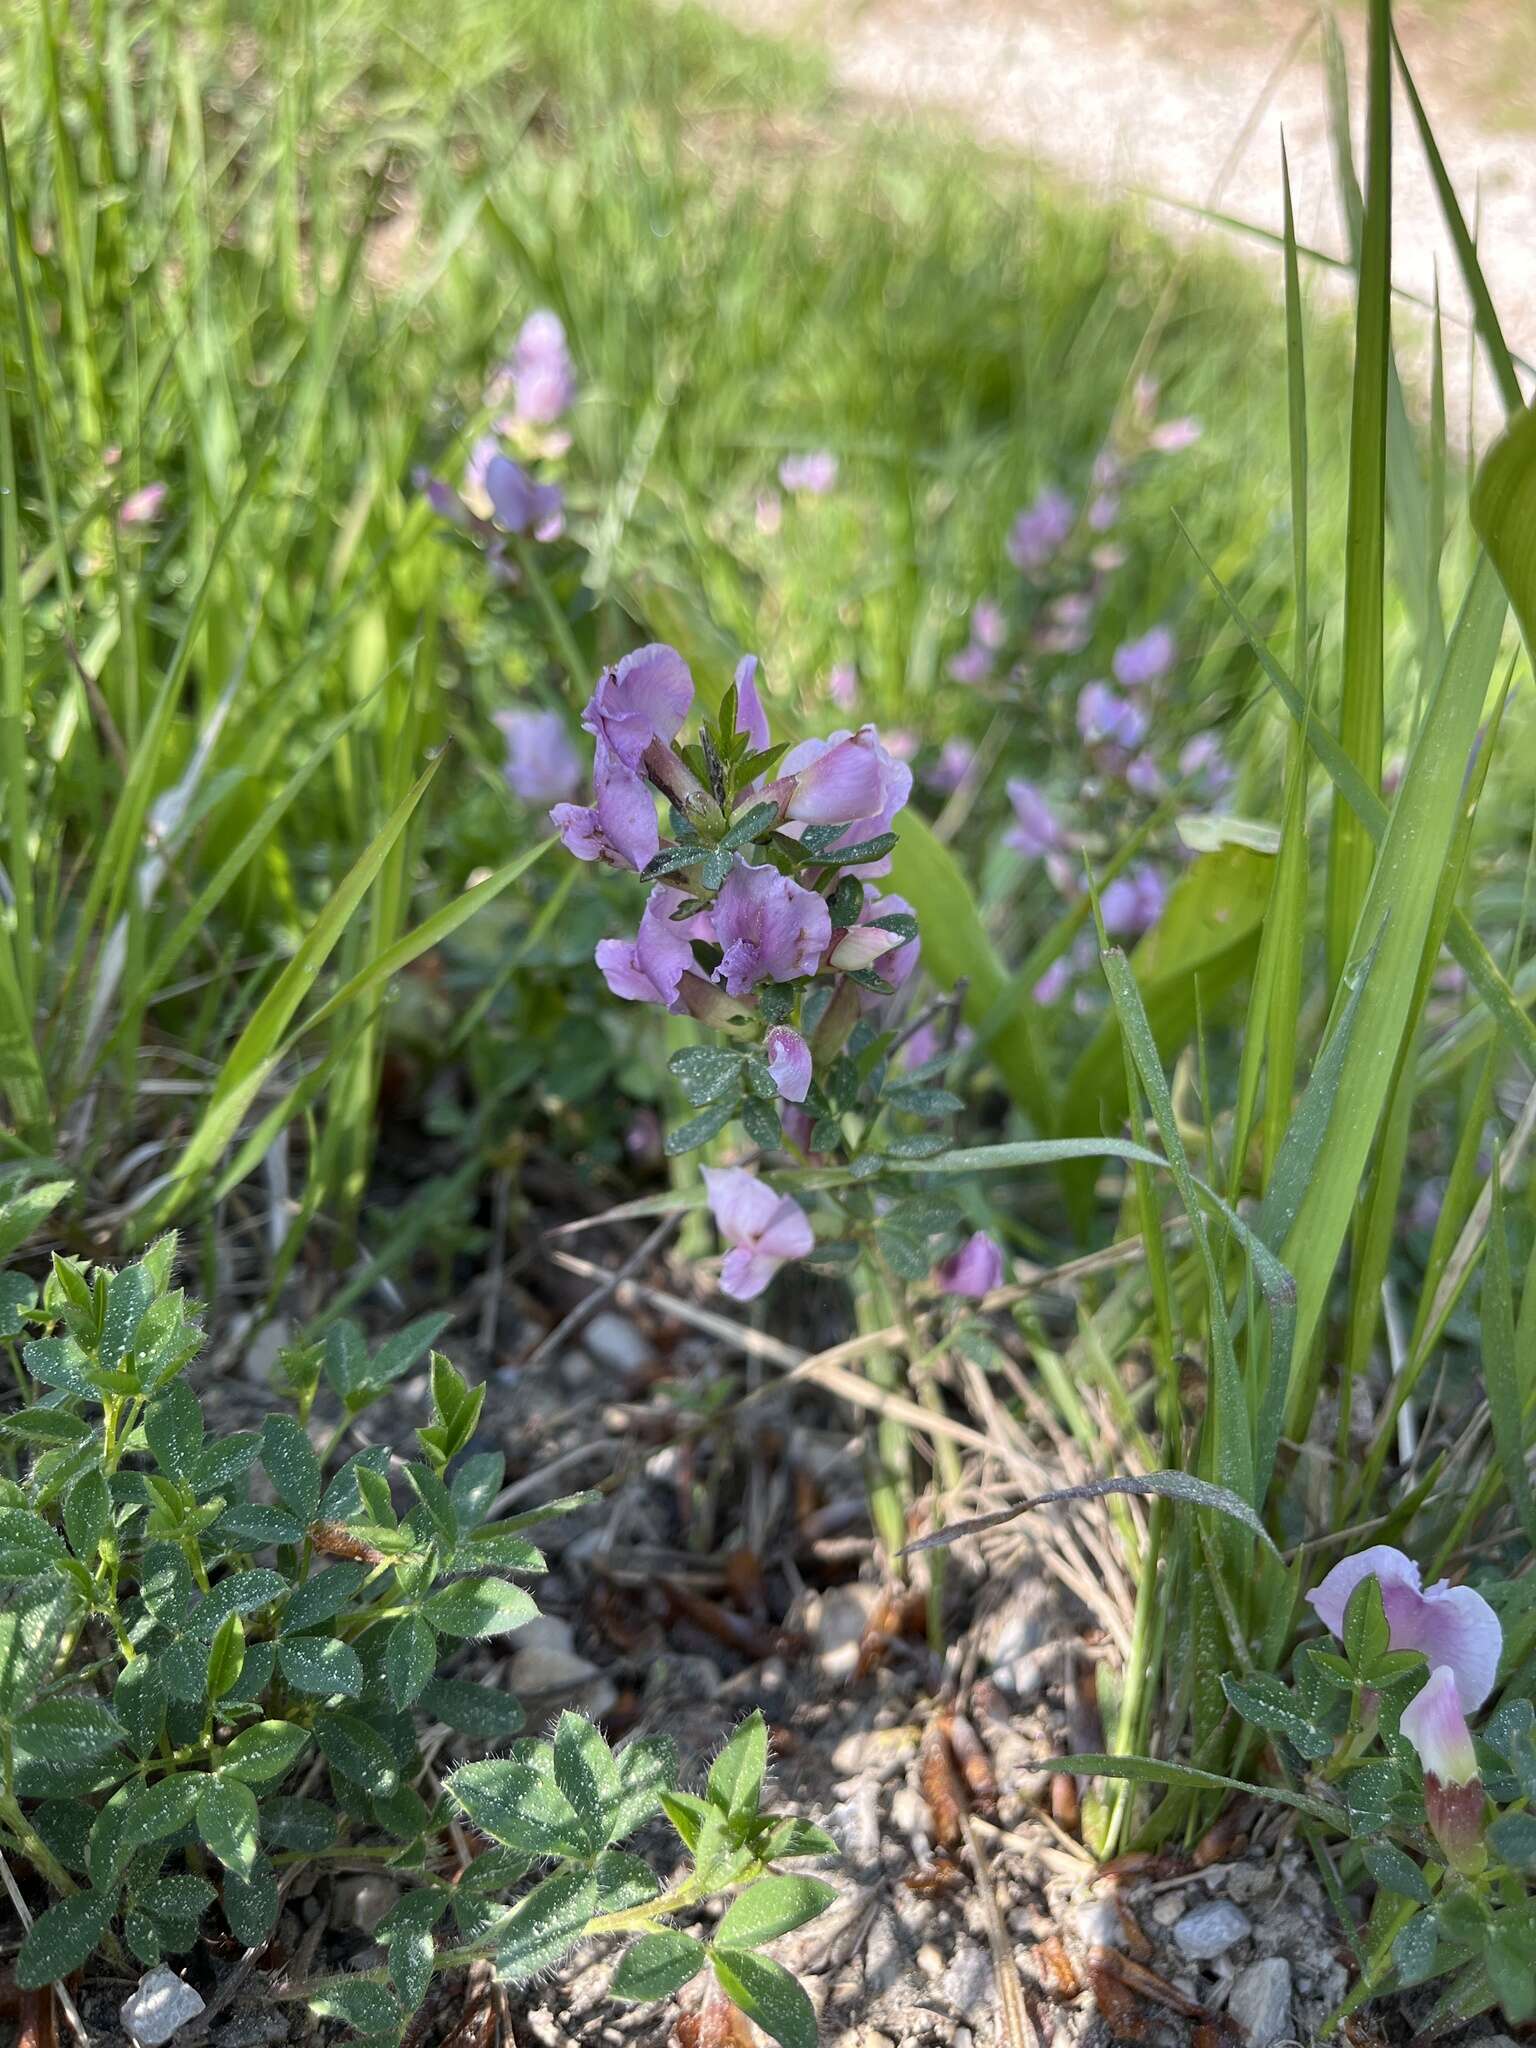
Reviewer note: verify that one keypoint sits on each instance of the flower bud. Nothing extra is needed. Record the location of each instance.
(677, 782)
(1453, 1789)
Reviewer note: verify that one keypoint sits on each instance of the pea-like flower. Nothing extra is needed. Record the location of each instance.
(1133, 902)
(768, 928)
(763, 1229)
(789, 1062)
(751, 718)
(1041, 529)
(1453, 1626)
(541, 372)
(142, 507)
(1103, 714)
(813, 474)
(1034, 830)
(1435, 1723)
(1147, 660)
(542, 765)
(644, 697)
(521, 505)
(972, 1271)
(649, 968)
(847, 769)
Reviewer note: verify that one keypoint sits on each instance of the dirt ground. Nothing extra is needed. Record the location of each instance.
(1183, 102)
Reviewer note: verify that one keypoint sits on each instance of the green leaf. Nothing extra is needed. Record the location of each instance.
(129, 1295)
(28, 1545)
(549, 1922)
(410, 1658)
(1396, 1872)
(768, 1995)
(263, 1752)
(322, 1598)
(656, 1965)
(68, 1730)
(251, 1902)
(406, 1934)
(1507, 1954)
(478, 1607)
(586, 1774)
(516, 1801)
(623, 1881)
(1513, 1837)
(31, 1628)
(1413, 1949)
(402, 1352)
(320, 1664)
(226, 1659)
(688, 1816)
(173, 1427)
(62, 1939)
(736, 1776)
(227, 1821)
(294, 1823)
(292, 1465)
(647, 1769)
(1367, 1637)
(1267, 1703)
(363, 2005)
(87, 1514)
(1502, 1371)
(358, 1751)
(771, 1907)
(705, 1073)
(1504, 514)
(795, 1837)
(241, 1593)
(698, 1130)
(472, 1709)
(147, 1815)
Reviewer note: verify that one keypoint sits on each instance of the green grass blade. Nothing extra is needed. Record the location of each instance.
(1351, 855)
(255, 1053)
(1504, 514)
(1506, 1375)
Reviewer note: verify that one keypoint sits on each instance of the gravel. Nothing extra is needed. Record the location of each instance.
(1209, 1930)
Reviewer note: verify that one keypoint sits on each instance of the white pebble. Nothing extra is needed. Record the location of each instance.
(159, 2008)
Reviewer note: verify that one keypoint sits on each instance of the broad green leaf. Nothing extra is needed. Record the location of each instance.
(28, 1545)
(406, 1934)
(292, 1465)
(478, 1607)
(358, 1751)
(62, 1939)
(472, 1709)
(251, 1901)
(320, 1664)
(226, 1658)
(657, 1965)
(368, 2008)
(322, 1597)
(766, 1992)
(173, 1425)
(516, 1801)
(410, 1658)
(31, 1629)
(227, 1821)
(68, 1730)
(647, 1768)
(263, 1752)
(548, 1923)
(240, 1593)
(771, 1907)
(586, 1774)
(736, 1775)
(1267, 1703)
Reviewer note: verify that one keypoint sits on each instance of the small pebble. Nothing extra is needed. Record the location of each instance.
(930, 1960)
(615, 1342)
(576, 1370)
(1261, 2001)
(160, 2007)
(838, 1629)
(1211, 1929)
(1167, 1909)
(362, 1902)
(1098, 1924)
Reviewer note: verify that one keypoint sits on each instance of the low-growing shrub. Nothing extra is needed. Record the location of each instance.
(216, 1654)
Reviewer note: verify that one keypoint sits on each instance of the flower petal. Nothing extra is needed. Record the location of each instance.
(745, 1273)
(1435, 1723)
(741, 1204)
(1454, 1626)
(751, 718)
(974, 1270)
(1329, 1600)
(789, 1062)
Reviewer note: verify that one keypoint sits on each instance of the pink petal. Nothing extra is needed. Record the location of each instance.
(742, 1205)
(626, 810)
(974, 1270)
(745, 1273)
(1329, 1600)
(789, 1062)
(838, 785)
(861, 946)
(751, 718)
(625, 977)
(580, 833)
(788, 1233)
(1455, 1626)
(1436, 1725)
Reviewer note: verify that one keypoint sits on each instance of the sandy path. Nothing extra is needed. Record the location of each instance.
(1154, 103)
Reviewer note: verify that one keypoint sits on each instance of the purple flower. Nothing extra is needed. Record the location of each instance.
(843, 685)
(1146, 660)
(443, 498)
(974, 1270)
(542, 765)
(1172, 435)
(1144, 776)
(542, 374)
(891, 787)
(751, 718)
(1133, 902)
(142, 507)
(1435, 1723)
(520, 504)
(645, 697)
(897, 960)
(768, 928)
(620, 827)
(789, 1062)
(989, 625)
(649, 968)
(834, 781)
(952, 766)
(1102, 714)
(1041, 529)
(1069, 623)
(814, 473)
(1203, 761)
(973, 664)
(1035, 830)
(763, 1229)
(477, 466)
(1452, 1625)
(1052, 985)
